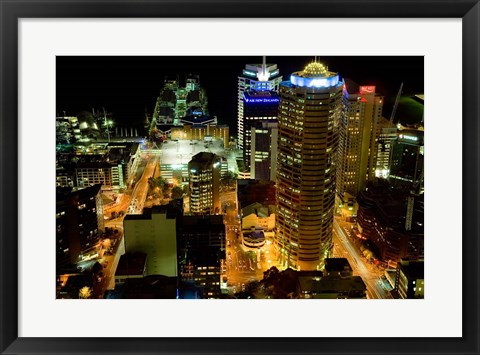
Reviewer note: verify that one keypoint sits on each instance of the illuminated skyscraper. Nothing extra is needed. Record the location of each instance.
(256, 78)
(358, 139)
(260, 133)
(309, 114)
(388, 135)
(204, 172)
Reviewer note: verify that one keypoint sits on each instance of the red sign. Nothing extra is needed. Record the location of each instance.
(367, 89)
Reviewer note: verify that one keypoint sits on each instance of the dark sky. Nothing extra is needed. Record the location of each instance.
(127, 86)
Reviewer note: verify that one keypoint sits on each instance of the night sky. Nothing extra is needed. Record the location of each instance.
(129, 86)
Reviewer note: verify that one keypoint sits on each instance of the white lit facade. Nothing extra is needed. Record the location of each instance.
(358, 138)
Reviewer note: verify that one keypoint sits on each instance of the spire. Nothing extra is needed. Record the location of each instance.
(263, 74)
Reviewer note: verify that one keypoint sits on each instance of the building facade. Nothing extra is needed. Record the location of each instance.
(410, 282)
(308, 120)
(201, 252)
(358, 139)
(260, 111)
(406, 166)
(79, 221)
(393, 221)
(388, 135)
(204, 172)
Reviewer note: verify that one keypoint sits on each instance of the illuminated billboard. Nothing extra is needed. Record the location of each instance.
(367, 89)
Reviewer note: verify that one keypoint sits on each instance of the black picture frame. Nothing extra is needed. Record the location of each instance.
(12, 10)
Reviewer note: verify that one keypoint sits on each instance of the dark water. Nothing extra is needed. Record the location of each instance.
(128, 86)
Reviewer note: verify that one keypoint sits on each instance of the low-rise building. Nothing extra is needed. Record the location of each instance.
(410, 282)
(337, 267)
(331, 287)
(258, 216)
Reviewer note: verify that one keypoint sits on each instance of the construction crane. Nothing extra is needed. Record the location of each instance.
(395, 105)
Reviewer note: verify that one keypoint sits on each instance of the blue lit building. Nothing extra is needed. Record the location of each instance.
(260, 133)
(308, 120)
(257, 77)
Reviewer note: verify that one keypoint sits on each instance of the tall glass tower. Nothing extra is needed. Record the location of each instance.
(308, 120)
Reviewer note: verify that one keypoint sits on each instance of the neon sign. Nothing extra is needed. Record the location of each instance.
(262, 100)
(367, 89)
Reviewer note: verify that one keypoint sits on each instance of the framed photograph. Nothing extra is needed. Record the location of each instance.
(239, 177)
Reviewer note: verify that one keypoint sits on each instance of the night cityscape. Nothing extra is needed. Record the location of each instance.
(240, 177)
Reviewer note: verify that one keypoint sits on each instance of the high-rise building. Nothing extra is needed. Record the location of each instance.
(308, 120)
(263, 150)
(406, 165)
(204, 172)
(201, 252)
(260, 78)
(79, 220)
(358, 139)
(388, 135)
(154, 233)
(260, 111)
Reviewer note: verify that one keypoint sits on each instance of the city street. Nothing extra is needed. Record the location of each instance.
(369, 274)
(243, 265)
(109, 264)
(140, 190)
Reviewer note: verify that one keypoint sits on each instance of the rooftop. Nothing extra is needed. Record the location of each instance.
(331, 284)
(412, 269)
(337, 264)
(181, 152)
(131, 264)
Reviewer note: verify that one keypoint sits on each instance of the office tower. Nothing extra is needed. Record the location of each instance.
(204, 171)
(308, 119)
(201, 251)
(358, 139)
(154, 233)
(388, 135)
(406, 165)
(260, 111)
(256, 78)
(263, 150)
(79, 220)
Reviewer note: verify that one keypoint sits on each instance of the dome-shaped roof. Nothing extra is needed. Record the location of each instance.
(315, 69)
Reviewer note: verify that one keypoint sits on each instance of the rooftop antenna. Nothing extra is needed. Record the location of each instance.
(395, 105)
(263, 74)
(106, 123)
(264, 66)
